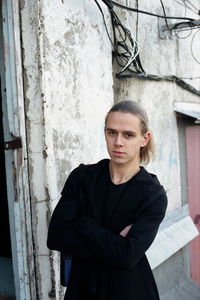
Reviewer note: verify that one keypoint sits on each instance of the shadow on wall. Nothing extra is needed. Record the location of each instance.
(7, 288)
(6, 298)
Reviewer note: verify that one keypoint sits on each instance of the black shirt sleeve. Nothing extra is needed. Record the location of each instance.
(117, 250)
(81, 236)
(61, 234)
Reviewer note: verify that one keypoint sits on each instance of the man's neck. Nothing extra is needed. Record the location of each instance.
(122, 173)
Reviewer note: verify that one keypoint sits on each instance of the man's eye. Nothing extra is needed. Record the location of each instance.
(111, 132)
(128, 135)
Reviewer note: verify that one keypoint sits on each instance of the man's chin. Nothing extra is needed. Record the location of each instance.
(118, 160)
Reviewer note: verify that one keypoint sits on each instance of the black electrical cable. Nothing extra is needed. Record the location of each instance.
(122, 40)
(109, 3)
(191, 4)
(190, 23)
(170, 78)
(164, 14)
(190, 78)
(184, 3)
(176, 28)
(137, 20)
(104, 21)
(125, 48)
(183, 37)
(186, 29)
(191, 46)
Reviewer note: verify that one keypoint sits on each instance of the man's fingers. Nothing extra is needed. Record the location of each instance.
(125, 231)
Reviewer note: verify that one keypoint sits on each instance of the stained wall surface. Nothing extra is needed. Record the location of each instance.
(162, 57)
(68, 90)
(69, 82)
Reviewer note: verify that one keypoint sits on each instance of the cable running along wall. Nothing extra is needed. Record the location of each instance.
(126, 49)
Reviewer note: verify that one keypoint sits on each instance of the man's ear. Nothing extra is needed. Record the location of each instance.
(146, 139)
(105, 135)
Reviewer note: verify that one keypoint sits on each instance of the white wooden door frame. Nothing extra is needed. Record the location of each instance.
(16, 159)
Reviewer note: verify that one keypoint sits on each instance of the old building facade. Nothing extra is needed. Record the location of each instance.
(57, 83)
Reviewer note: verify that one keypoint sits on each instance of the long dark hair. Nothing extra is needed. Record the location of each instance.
(128, 106)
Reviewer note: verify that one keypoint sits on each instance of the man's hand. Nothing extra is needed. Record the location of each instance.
(125, 231)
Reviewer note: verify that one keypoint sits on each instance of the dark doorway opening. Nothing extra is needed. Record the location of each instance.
(5, 248)
(6, 270)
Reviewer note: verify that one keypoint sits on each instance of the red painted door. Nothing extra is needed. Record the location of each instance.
(193, 167)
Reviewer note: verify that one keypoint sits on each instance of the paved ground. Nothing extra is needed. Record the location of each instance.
(186, 289)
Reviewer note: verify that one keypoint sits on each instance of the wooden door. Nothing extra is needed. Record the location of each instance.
(193, 169)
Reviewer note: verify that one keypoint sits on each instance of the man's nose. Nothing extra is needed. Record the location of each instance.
(118, 140)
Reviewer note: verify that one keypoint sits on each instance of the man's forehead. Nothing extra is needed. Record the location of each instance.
(122, 117)
(123, 123)
(126, 130)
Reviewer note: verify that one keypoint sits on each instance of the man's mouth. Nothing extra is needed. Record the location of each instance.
(118, 153)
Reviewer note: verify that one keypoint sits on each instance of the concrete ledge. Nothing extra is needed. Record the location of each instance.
(171, 239)
(184, 289)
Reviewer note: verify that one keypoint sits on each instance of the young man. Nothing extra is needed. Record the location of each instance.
(109, 214)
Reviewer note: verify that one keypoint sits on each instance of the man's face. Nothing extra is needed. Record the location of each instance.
(123, 138)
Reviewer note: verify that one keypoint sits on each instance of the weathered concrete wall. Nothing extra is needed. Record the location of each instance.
(162, 57)
(68, 90)
(176, 285)
(68, 82)
(165, 57)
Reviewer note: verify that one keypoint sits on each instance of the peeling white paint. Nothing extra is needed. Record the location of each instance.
(68, 92)
(162, 57)
(16, 159)
(68, 88)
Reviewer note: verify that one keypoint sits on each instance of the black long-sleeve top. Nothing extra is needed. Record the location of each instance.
(86, 224)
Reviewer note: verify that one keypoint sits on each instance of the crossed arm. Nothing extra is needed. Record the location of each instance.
(81, 236)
